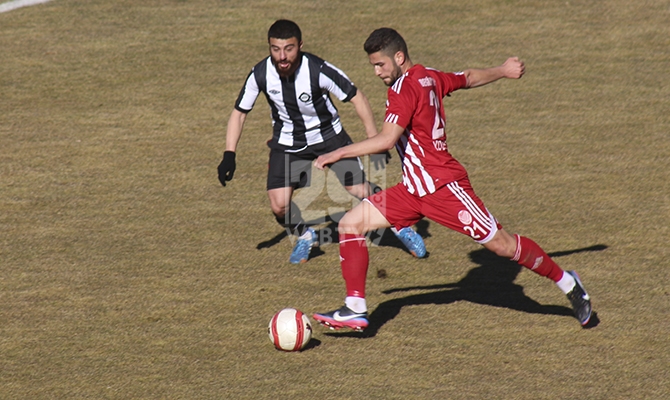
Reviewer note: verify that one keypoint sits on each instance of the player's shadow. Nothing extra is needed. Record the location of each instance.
(491, 283)
(272, 241)
(329, 235)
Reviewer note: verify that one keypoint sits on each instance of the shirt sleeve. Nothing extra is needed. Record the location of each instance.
(336, 82)
(248, 94)
(452, 81)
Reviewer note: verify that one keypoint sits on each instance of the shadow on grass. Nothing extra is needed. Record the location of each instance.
(491, 283)
(312, 344)
(272, 241)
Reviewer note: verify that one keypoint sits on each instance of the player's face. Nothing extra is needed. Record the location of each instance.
(385, 67)
(285, 55)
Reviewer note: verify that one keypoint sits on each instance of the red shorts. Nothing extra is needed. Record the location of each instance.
(455, 206)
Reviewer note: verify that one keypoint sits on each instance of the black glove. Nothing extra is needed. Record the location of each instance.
(380, 160)
(227, 167)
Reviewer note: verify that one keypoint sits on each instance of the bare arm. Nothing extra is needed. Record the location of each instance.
(513, 68)
(382, 142)
(234, 132)
(227, 167)
(364, 111)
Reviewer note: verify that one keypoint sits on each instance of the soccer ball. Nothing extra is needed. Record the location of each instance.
(290, 330)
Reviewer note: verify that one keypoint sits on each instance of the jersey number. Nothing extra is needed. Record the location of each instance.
(471, 230)
(438, 125)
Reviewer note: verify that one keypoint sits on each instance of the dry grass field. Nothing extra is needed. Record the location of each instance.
(128, 272)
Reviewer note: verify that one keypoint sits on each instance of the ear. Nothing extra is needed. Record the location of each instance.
(399, 58)
(300, 45)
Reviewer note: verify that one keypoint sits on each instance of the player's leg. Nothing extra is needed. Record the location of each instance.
(359, 191)
(285, 174)
(354, 261)
(375, 212)
(287, 214)
(525, 252)
(354, 257)
(530, 255)
(459, 208)
(350, 173)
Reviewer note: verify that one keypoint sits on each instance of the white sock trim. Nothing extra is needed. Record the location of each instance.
(566, 283)
(356, 304)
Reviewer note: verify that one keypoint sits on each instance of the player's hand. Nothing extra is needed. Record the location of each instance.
(326, 159)
(320, 162)
(227, 167)
(514, 68)
(379, 161)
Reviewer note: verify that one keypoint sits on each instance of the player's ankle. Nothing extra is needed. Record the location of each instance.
(356, 304)
(566, 283)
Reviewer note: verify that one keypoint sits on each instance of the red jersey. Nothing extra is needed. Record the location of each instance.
(415, 103)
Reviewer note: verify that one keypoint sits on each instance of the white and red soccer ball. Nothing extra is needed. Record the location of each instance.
(290, 330)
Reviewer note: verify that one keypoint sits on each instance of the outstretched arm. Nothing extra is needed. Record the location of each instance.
(382, 142)
(364, 111)
(513, 68)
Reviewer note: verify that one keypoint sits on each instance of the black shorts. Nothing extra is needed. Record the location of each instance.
(288, 169)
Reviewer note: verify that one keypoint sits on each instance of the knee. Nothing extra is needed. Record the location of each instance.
(280, 215)
(359, 191)
(279, 212)
(500, 250)
(502, 244)
(350, 225)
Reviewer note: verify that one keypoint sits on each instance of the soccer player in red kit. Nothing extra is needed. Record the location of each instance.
(434, 184)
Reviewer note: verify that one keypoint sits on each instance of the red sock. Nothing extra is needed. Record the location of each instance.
(530, 255)
(354, 260)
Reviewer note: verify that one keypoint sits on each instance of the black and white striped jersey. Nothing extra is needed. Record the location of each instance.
(302, 112)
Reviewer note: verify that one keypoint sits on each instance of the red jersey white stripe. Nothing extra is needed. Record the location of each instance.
(415, 103)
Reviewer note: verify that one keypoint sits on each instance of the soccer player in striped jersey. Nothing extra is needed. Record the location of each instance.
(306, 124)
(434, 184)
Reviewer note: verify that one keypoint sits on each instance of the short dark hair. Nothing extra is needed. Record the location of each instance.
(386, 40)
(284, 29)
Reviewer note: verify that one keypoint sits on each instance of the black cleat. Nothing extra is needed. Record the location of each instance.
(581, 301)
(343, 318)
